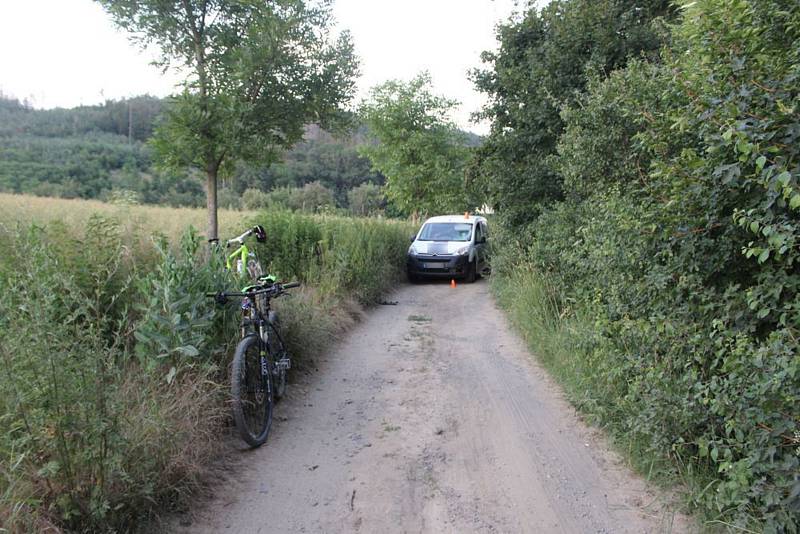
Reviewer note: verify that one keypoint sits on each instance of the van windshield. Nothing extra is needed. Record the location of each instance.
(445, 232)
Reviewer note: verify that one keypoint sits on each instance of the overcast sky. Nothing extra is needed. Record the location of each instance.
(63, 53)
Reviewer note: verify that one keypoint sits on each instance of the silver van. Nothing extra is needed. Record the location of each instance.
(449, 246)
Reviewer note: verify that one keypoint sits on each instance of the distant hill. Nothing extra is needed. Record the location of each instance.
(94, 151)
(133, 118)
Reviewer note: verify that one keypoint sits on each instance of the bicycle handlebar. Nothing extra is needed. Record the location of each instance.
(276, 288)
(240, 239)
(257, 229)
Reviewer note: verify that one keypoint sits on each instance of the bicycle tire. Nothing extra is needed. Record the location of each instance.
(251, 392)
(277, 351)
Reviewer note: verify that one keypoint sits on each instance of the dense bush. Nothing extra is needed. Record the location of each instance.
(112, 392)
(254, 199)
(311, 198)
(681, 196)
(336, 164)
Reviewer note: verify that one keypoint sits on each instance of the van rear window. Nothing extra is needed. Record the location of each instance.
(446, 232)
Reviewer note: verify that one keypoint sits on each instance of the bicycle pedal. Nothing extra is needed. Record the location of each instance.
(284, 363)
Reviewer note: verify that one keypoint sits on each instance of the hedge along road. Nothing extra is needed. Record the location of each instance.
(432, 417)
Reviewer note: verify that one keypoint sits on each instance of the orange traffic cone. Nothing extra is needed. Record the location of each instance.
(453, 282)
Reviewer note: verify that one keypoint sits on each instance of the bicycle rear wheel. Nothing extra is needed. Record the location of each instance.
(251, 391)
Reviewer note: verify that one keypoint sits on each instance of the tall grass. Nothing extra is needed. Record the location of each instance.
(557, 331)
(344, 263)
(112, 390)
(567, 341)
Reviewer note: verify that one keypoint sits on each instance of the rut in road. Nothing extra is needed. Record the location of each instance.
(432, 417)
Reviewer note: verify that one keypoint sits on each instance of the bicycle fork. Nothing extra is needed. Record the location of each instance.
(265, 379)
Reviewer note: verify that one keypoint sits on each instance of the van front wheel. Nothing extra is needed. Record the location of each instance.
(472, 268)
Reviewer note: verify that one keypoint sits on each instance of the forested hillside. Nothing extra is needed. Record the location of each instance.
(644, 163)
(101, 152)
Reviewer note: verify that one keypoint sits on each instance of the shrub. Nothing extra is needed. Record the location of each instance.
(254, 199)
(358, 257)
(312, 197)
(366, 199)
(91, 439)
(682, 198)
(176, 318)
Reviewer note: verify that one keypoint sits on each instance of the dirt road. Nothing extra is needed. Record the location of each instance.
(432, 417)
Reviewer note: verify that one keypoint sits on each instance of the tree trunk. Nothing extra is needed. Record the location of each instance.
(211, 202)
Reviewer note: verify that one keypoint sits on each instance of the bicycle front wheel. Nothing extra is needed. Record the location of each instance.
(251, 391)
(279, 358)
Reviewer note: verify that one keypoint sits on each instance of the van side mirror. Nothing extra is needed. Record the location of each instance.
(413, 237)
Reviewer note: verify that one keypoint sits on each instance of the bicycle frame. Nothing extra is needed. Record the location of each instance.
(243, 259)
(262, 322)
(242, 252)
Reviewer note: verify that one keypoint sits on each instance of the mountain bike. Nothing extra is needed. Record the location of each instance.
(260, 361)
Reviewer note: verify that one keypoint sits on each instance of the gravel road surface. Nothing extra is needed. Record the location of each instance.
(431, 416)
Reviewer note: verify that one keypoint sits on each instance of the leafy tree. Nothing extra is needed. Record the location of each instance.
(311, 197)
(366, 199)
(131, 117)
(254, 199)
(418, 148)
(258, 72)
(335, 163)
(541, 65)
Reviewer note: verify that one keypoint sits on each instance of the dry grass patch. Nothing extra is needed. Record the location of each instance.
(135, 220)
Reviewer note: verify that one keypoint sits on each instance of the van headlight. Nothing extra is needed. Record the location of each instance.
(463, 251)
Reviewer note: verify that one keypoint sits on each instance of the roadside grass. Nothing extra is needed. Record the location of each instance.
(114, 363)
(563, 337)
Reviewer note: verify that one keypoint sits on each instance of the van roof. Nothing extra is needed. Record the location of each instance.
(455, 219)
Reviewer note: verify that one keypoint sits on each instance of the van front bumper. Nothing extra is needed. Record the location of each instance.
(444, 266)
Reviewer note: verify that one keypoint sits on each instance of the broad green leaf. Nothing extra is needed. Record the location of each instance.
(188, 350)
